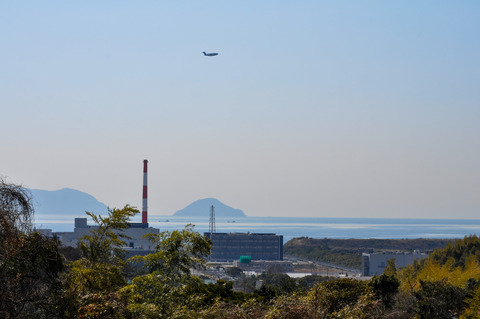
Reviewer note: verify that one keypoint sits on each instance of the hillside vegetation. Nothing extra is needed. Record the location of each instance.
(348, 252)
(37, 280)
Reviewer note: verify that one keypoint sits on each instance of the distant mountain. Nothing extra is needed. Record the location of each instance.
(74, 203)
(65, 201)
(201, 208)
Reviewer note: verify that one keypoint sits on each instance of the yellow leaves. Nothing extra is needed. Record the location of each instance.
(362, 309)
(86, 277)
(472, 270)
(432, 270)
(473, 306)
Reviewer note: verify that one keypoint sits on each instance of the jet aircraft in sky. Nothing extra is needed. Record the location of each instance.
(209, 54)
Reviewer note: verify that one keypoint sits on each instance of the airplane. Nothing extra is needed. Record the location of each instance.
(209, 54)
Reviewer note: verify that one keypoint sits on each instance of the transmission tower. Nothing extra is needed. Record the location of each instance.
(211, 227)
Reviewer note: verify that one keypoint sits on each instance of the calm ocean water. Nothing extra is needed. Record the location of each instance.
(291, 227)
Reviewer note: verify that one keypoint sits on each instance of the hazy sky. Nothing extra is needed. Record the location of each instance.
(311, 108)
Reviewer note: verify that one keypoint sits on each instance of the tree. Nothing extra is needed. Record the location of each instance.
(104, 243)
(16, 210)
(223, 310)
(176, 252)
(93, 280)
(308, 282)
(459, 251)
(234, 272)
(391, 269)
(292, 306)
(472, 310)
(281, 283)
(29, 262)
(366, 307)
(331, 296)
(385, 287)
(439, 300)
(169, 285)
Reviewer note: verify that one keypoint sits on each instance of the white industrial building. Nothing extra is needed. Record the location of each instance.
(136, 232)
(375, 263)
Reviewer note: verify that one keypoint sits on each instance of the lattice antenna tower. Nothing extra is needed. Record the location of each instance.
(211, 227)
(145, 193)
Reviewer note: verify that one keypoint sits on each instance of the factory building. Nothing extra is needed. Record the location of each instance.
(136, 231)
(259, 246)
(375, 263)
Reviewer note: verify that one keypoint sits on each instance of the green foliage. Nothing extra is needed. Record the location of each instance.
(86, 277)
(221, 290)
(280, 283)
(234, 272)
(70, 253)
(34, 282)
(225, 310)
(176, 252)
(456, 265)
(267, 293)
(103, 243)
(385, 287)
(472, 309)
(246, 284)
(460, 251)
(29, 262)
(341, 298)
(101, 306)
(292, 306)
(169, 286)
(155, 294)
(29, 277)
(366, 307)
(391, 268)
(331, 296)
(275, 285)
(444, 284)
(308, 282)
(100, 272)
(439, 300)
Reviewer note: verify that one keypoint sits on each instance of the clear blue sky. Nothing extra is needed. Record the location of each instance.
(311, 108)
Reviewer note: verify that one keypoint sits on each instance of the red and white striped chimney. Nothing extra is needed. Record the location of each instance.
(144, 202)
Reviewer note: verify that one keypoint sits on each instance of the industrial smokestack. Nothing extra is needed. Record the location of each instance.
(144, 202)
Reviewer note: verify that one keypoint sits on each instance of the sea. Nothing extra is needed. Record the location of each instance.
(291, 227)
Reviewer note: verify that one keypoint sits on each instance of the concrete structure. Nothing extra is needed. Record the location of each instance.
(375, 263)
(260, 246)
(136, 231)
